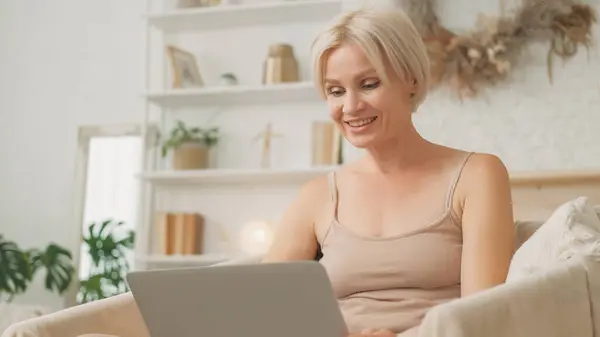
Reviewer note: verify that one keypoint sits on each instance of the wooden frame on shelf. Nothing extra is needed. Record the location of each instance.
(184, 68)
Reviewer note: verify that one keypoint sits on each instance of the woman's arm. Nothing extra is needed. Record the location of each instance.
(487, 223)
(295, 237)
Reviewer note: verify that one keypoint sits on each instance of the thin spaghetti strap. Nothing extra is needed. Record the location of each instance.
(334, 193)
(334, 199)
(332, 187)
(450, 194)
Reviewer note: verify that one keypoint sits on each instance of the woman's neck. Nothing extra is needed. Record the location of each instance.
(397, 153)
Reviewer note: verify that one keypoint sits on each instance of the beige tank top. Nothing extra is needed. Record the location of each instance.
(390, 283)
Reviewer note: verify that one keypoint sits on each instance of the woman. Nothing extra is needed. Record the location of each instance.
(412, 224)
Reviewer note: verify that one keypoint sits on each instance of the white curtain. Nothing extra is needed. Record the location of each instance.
(111, 185)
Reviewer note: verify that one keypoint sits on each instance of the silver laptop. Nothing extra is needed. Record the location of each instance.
(260, 300)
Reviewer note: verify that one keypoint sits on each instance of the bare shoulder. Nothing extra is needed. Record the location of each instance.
(313, 192)
(483, 176)
(484, 168)
(295, 237)
(310, 200)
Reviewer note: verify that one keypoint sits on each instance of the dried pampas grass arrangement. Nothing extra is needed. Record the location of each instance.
(487, 54)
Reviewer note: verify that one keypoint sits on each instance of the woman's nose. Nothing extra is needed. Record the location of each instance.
(352, 103)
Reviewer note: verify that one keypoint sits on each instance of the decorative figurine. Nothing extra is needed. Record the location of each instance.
(266, 138)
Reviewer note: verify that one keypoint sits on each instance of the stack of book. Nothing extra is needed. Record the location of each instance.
(326, 144)
(179, 233)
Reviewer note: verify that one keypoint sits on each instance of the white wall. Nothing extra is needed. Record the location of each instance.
(70, 62)
(63, 63)
(530, 123)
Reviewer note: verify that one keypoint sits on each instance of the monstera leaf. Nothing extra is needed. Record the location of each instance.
(58, 264)
(94, 288)
(107, 248)
(15, 271)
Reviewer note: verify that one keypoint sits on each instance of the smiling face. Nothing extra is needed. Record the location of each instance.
(367, 109)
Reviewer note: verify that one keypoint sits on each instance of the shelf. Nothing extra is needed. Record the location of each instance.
(230, 16)
(240, 95)
(196, 260)
(235, 176)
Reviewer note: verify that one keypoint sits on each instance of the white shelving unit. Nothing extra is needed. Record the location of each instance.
(234, 176)
(235, 95)
(243, 15)
(163, 24)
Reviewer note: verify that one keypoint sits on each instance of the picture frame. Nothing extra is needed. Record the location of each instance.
(185, 72)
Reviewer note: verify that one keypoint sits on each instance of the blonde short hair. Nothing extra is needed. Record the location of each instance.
(387, 36)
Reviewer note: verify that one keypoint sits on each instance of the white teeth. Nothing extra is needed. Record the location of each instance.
(361, 122)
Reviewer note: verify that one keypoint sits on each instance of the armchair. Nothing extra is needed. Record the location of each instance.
(552, 304)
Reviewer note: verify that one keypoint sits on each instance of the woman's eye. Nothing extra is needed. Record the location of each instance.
(335, 91)
(371, 85)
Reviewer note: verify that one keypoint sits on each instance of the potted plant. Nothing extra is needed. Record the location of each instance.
(191, 146)
(108, 248)
(228, 79)
(18, 268)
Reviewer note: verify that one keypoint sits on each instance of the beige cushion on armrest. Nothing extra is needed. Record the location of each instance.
(117, 315)
(11, 313)
(593, 269)
(555, 303)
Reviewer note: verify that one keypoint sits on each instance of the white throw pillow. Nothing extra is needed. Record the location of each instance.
(572, 230)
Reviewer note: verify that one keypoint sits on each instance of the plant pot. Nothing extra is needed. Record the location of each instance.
(191, 156)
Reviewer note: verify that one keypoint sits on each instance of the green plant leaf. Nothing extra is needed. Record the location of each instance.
(107, 247)
(181, 134)
(128, 241)
(15, 271)
(92, 289)
(58, 263)
(102, 244)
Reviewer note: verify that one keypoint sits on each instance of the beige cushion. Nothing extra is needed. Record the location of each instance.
(114, 316)
(553, 303)
(524, 230)
(13, 313)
